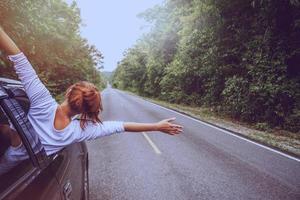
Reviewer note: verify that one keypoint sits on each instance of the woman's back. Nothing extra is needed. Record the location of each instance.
(43, 109)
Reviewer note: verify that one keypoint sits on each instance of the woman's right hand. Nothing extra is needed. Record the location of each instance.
(166, 126)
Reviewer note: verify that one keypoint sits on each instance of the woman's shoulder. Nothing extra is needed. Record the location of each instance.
(45, 113)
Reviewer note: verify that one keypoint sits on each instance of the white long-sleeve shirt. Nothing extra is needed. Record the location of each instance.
(43, 108)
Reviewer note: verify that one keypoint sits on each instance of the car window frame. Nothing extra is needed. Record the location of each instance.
(38, 161)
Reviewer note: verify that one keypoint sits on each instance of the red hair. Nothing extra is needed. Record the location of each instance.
(84, 98)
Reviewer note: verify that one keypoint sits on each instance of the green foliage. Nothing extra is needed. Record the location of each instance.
(48, 33)
(240, 57)
(262, 126)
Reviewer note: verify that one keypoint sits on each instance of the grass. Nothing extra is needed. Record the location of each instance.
(280, 139)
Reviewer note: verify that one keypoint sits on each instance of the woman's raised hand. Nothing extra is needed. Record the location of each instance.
(166, 126)
(7, 44)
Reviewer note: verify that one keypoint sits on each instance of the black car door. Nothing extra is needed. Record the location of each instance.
(69, 167)
(25, 170)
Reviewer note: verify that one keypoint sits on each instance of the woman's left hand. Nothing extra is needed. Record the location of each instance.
(166, 126)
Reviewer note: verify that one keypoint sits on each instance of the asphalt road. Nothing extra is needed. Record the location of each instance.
(203, 162)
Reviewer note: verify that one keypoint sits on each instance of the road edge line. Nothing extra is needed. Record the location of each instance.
(225, 130)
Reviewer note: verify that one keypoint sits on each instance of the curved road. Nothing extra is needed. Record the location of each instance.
(203, 162)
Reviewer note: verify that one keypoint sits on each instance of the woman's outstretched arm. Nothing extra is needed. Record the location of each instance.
(165, 126)
(7, 44)
(96, 130)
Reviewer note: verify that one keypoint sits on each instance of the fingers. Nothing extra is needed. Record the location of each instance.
(176, 126)
(174, 131)
(171, 119)
(168, 127)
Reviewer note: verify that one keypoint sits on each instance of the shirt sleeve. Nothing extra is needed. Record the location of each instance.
(96, 130)
(37, 93)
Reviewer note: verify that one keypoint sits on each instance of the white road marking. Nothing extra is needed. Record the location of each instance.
(224, 131)
(157, 151)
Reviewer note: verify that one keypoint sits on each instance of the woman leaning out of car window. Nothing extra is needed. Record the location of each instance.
(55, 123)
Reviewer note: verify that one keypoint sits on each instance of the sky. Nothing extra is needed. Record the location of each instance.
(113, 26)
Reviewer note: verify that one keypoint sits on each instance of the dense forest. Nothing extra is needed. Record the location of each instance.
(107, 76)
(48, 33)
(241, 58)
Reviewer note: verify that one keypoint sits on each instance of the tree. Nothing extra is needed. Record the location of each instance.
(239, 57)
(48, 33)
